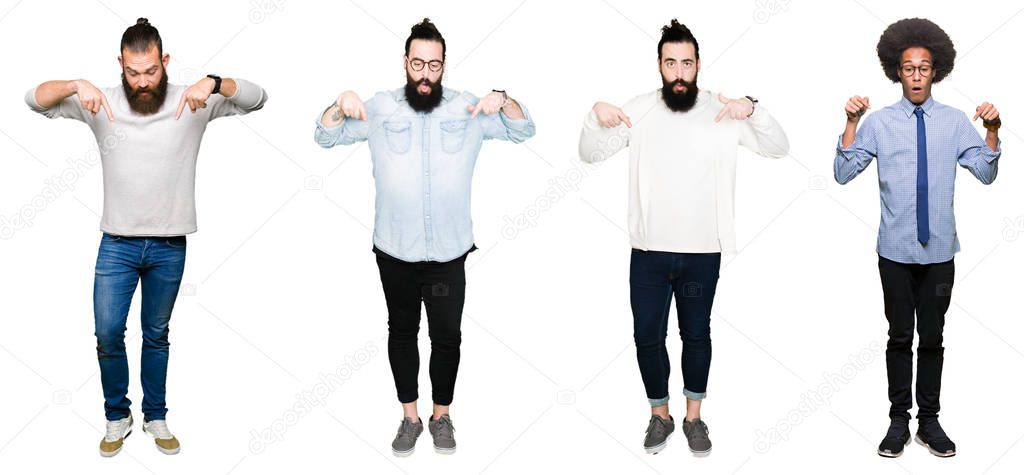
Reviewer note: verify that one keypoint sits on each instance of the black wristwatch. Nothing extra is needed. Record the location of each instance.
(754, 101)
(216, 83)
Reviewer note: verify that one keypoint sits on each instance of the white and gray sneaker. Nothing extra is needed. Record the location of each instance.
(165, 441)
(117, 431)
(659, 431)
(444, 434)
(405, 441)
(696, 432)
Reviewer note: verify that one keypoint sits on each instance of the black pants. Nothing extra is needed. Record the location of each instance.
(924, 289)
(441, 287)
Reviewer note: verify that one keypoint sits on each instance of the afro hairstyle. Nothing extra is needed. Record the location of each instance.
(915, 32)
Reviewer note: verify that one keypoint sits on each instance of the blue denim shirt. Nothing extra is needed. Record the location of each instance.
(890, 135)
(423, 169)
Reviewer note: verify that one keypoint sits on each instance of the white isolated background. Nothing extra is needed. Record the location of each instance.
(281, 291)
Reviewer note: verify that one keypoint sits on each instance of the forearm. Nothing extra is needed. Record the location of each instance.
(992, 140)
(850, 134)
(51, 93)
(512, 110)
(332, 117)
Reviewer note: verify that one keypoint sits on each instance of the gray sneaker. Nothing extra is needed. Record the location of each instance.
(405, 442)
(696, 432)
(444, 434)
(659, 431)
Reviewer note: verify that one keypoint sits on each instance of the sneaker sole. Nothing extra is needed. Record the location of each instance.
(699, 453)
(659, 447)
(894, 455)
(111, 454)
(933, 451)
(399, 453)
(168, 451)
(444, 451)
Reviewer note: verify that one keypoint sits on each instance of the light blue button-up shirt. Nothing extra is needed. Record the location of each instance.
(423, 169)
(890, 135)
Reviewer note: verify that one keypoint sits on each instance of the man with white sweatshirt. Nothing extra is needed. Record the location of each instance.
(682, 144)
(148, 147)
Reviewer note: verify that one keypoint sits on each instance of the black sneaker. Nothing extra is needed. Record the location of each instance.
(931, 435)
(658, 432)
(696, 432)
(895, 439)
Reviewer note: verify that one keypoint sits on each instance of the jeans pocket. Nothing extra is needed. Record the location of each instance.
(398, 135)
(177, 242)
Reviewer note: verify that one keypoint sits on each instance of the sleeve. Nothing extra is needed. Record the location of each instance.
(248, 97)
(597, 142)
(761, 134)
(348, 132)
(852, 160)
(974, 154)
(502, 127)
(69, 108)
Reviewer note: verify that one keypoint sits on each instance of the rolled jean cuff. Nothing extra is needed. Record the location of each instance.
(658, 402)
(695, 396)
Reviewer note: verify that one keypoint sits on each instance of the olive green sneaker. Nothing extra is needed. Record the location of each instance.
(117, 431)
(165, 441)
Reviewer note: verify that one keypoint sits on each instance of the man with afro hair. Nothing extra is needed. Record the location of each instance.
(918, 143)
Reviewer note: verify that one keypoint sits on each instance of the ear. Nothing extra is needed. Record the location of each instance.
(698, 65)
(120, 61)
(166, 60)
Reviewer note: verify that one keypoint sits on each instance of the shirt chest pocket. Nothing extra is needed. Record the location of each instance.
(453, 134)
(398, 134)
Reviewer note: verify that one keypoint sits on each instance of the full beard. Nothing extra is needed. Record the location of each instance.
(146, 104)
(423, 102)
(679, 102)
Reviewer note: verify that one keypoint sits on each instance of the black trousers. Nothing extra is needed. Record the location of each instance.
(924, 290)
(441, 288)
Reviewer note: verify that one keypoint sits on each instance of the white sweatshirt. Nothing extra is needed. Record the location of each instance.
(149, 161)
(682, 169)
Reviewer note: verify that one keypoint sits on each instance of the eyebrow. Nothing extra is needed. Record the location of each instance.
(424, 60)
(150, 69)
(922, 61)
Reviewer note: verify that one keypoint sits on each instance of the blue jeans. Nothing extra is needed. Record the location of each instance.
(122, 261)
(654, 276)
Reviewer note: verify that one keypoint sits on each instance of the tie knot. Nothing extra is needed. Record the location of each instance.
(918, 111)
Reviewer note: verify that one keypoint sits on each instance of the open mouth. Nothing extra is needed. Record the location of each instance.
(916, 89)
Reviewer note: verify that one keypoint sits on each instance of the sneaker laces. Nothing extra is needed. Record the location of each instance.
(406, 430)
(444, 426)
(657, 426)
(116, 429)
(159, 429)
(702, 429)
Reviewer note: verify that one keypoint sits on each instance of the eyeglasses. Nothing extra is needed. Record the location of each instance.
(925, 70)
(417, 64)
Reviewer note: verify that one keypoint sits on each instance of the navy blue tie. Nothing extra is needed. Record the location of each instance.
(922, 179)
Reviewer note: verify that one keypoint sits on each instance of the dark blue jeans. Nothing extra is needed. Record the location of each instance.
(159, 262)
(654, 276)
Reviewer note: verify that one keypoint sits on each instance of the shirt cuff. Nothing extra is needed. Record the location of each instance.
(518, 125)
(846, 152)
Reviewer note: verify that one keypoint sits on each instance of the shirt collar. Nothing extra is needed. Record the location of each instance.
(908, 107)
